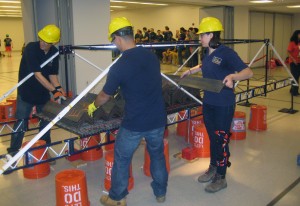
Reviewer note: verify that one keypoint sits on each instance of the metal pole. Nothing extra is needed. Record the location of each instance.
(186, 61)
(26, 78)
(284, 65)
(266, 66)
(252, 61)
(58, 117)
(181, 88)
(66, 74)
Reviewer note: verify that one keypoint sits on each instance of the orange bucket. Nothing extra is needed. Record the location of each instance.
(109, 162)
(6, 111)
(201, 141)
(166, 133)
(258, 118)
(181, 129)
(238, 126)
(71, 188)
(92, 154)
(13, 100)
(111, 146)
(147, 161)
(194, 122)
(40, 170)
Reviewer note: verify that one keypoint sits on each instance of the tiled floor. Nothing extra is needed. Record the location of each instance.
(263, 165)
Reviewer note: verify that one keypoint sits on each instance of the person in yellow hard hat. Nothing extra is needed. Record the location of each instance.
(137, 73)
(36, 90)
(221, 63)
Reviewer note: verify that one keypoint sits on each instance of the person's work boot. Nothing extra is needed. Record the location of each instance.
(161, 199)
(208, 175)
(218, 183)
(107, 201)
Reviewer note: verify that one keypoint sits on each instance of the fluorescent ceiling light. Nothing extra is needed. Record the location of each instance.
(1, 10)
(120, 7)
(134, 2)
(13, 15)
(262, 2)
(11, 7)
(293, 7)
(11, 2)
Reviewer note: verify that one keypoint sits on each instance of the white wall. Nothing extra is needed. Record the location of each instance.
(13, 27)
(241, 31)
(90, 28)
(159, 17)
(296, 22)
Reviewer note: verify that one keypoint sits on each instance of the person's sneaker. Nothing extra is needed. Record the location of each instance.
(217, 184)
(107, 201)
(208, 175)
(161, 199)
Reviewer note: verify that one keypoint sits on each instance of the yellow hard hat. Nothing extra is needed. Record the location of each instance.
(210, 24)
(117, 24)
(50, 34)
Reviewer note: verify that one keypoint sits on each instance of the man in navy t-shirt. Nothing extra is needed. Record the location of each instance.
(36, 90)
(137, 74)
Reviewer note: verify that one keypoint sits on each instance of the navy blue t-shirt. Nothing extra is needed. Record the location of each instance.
(137, 73)
(222, 62)
(32, 91)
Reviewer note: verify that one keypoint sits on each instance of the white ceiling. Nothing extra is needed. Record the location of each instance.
(275, 6)
(12, 8)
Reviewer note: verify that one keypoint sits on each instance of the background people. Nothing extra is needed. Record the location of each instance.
(294, 59)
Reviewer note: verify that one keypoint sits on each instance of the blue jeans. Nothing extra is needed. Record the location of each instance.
(217, 118)
(22, 114)
(125, 145)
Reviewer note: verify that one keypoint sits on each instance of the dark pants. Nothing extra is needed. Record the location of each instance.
(22, 114)
(218, 120)
(295, 70)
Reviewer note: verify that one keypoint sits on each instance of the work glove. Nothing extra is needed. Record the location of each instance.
(59, 88)
(58, 96)
(91, 109)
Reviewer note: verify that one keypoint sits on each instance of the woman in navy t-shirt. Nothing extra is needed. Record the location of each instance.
(221, 63)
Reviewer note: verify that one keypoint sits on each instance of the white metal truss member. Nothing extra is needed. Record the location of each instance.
(295, 83)
(181, 88)
(59, 116)
(27, 77)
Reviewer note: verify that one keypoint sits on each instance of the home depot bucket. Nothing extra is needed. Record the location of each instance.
(13, 100)
(110, 146)
(194, 122)
(238, 126)
(147, 161)
(181, 129)
(109, 162)
(201, 141)
(92, 154)
(39, 170)
(258, 118)
(71, 188)
(6, 111)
